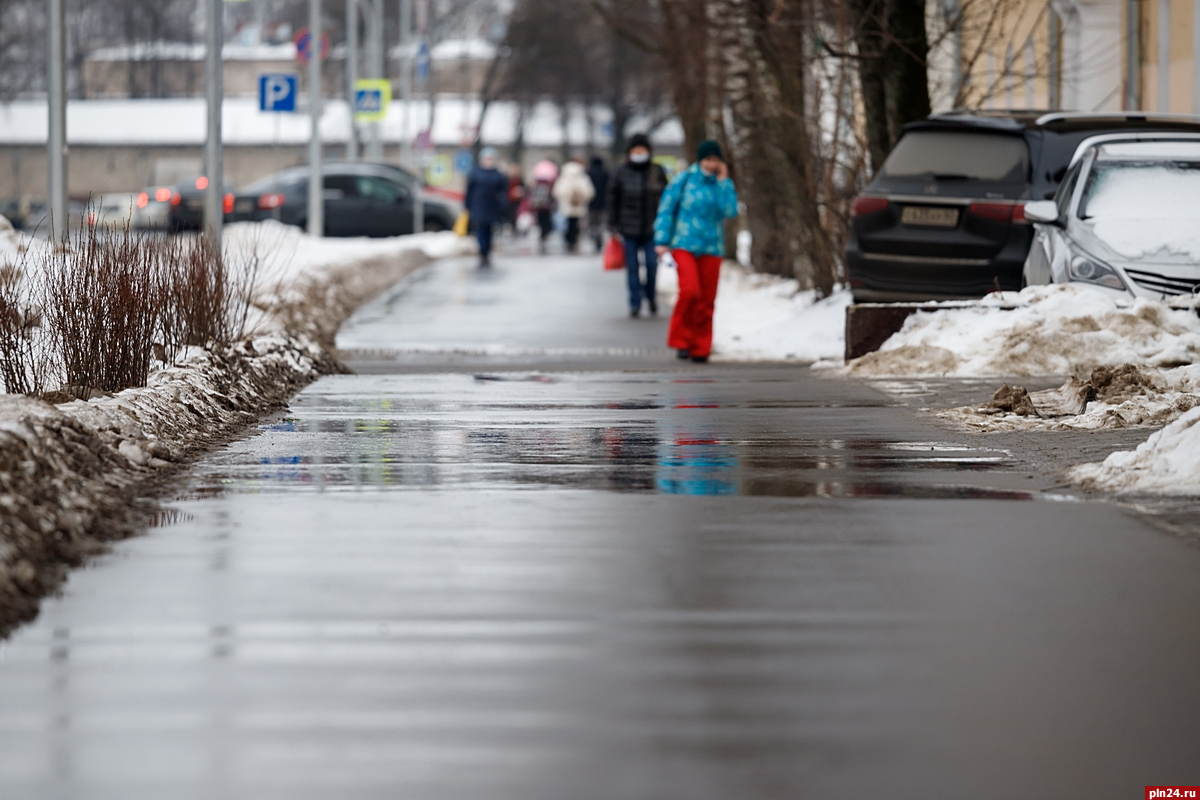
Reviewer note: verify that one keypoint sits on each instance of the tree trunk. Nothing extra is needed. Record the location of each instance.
(760, 48)
(869, 38)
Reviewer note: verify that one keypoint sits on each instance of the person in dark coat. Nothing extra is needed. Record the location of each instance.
(486, 201)
(599, 205)
(633, 196)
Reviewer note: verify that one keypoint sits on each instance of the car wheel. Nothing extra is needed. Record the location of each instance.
(434, 226)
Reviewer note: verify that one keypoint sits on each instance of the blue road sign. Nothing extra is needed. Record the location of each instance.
(422, 63)
(276, 92)
(463, 161)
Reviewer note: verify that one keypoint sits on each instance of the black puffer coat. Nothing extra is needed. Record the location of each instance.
(633, 199)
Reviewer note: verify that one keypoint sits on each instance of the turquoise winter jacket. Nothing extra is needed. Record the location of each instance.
(692, 213)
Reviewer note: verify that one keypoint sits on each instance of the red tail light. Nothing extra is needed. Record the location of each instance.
(91, 218)
(1019, 213)
(202, 183)
(176, 199)
(227, 204)
(1000, 212)
(143, 200)
(162, 194)
(868, 205)
(271, 201)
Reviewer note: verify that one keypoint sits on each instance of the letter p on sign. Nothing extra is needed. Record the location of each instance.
(277, 92)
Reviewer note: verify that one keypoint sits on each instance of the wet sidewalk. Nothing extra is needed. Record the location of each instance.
(495, 565)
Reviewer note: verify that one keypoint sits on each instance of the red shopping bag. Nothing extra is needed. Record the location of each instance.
(614, 254)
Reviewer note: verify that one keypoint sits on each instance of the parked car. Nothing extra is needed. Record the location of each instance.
(111, 211)
(1126, 220)
(186, 212)
(152, 207)
(945, 216)
(361, 199)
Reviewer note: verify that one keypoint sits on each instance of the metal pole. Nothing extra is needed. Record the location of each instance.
(1196, 57)
(56, 143)
(375, 60)
(214, 194)
(316, 183)
(422, 18)
(406, 78)
(351, 74)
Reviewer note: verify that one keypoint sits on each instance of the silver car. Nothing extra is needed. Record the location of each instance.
(1125, 220)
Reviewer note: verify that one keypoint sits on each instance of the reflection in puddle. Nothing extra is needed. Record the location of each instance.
(666, 454)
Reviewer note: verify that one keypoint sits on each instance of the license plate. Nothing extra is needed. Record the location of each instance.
(196, 205)
(932, 216)
(243, 206)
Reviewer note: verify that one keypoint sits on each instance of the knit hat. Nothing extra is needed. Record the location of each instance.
(708, 148)
(638, 140)
(488, 152)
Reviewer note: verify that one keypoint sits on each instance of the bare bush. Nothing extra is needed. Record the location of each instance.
(22, 356)
(105, 297)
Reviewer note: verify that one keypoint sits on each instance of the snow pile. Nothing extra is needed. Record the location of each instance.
(70, 475)
(1042, 330)
(760, 317)
(1167, 463)
(1126, 397)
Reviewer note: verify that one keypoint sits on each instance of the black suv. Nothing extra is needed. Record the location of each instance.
(945, 216)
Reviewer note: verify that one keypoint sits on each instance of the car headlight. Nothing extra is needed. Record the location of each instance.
(1090, 270)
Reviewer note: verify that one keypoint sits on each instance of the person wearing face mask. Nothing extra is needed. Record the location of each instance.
(633, 197)
(691, 224)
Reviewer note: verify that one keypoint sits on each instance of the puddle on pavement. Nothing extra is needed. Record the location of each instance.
(671, 435)
(636, 456)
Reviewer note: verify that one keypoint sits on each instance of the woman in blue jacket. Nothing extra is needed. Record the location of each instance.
(691, 224)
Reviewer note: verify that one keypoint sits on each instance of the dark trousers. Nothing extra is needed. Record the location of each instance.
(632, 272)
(572, 235)
(484, 234)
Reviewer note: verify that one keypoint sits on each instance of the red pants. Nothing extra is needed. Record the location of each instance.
(691, 324)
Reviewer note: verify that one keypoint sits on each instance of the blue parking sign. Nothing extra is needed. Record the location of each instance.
(276, 92)
(464, 160)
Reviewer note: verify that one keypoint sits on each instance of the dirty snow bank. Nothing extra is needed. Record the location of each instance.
(70, 475)
(1129, 396)
(760, 317)
(1042, 330)
(1167, 463)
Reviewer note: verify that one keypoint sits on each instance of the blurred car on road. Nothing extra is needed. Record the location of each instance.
(186, 211)
(944, 218)
(152, 207)
(110, 211)
(361, 199)
(1126, 219)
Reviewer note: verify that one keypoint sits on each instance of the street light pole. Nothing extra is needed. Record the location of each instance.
(351, 74)
(316, 183)
(406, 64)
(214, 193)
(56, 142)
(375, 62)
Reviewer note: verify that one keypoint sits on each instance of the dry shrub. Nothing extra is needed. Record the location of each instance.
(105, 297)
(22, 354)
(110, 303)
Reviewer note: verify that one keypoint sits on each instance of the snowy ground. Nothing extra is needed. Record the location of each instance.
(766, 318)
(1168, 463)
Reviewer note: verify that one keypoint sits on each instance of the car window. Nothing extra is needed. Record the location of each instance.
(1065, 189)
(1141, 190)
(380, 189)
(345, 184)
(963, 155)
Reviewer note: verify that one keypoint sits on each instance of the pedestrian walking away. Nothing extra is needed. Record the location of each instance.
(541, 199)
(516, 195)
(574, 193)
(486, 201)
(633, 200)
(597, 209)
(690, 223)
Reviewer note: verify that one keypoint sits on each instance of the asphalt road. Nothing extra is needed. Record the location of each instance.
(526, 555)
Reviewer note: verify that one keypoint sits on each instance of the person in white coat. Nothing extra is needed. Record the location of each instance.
(573, 191)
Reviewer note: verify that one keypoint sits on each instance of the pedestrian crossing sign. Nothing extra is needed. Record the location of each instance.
(371, 99)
